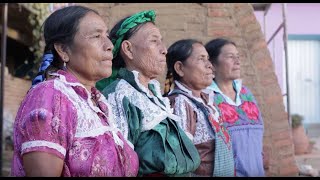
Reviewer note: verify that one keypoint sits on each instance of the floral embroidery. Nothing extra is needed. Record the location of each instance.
(98, 165)
(243, 91)
(84, 154)
(251, 110)
(217, 127)
(55, 124)
(229, 114)
(246, 113)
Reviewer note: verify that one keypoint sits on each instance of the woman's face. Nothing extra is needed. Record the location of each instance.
(228, 66)
(91, 52)
(196, 71)
(148, 51)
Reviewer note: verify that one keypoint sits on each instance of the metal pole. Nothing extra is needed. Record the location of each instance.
(285, 43)
(3, 66)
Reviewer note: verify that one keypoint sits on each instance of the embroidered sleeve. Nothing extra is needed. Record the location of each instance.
(43, 120)
(126, 115)
(188, 117)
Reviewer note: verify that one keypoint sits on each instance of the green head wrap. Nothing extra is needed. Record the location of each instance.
(129, 23)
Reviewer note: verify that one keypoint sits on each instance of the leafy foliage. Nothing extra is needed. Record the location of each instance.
(39, 12)
(296, 120)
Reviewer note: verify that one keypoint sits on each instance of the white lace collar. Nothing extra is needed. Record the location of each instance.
(206, 91)
(237, 84)
(155, 97)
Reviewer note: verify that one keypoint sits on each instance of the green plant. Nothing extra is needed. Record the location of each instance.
(39, 12)
(296, 120)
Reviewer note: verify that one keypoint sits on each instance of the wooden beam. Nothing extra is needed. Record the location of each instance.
(266, 10)
(16, 35)
(259, 6)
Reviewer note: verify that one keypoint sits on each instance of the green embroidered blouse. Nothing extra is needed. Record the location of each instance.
(147, 121)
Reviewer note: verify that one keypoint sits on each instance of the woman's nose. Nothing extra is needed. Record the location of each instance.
(164, 50)
(108, 46)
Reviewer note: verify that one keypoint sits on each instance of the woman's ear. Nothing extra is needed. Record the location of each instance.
(62, 51)
(126, 47)
(178, 67)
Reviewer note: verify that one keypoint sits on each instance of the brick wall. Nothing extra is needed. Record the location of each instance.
(237, 21)
(14, 91)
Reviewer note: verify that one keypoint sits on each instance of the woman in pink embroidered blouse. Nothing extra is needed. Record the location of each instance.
(64, 126)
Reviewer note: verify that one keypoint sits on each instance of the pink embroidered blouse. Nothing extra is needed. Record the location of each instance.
(58, 117)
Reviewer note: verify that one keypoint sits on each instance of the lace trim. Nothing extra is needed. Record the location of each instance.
(39, 143)
(210, 101)
(158, 95)
(89, 123)
(136, 79)
(118, 111)
(183, 88)
(203, 131)
(153, 113)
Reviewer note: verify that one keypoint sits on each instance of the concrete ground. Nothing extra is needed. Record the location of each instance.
(311, 159)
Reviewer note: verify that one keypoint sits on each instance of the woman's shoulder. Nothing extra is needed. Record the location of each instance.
(45, 88)
(43, 97)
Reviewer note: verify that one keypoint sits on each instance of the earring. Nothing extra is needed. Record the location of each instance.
(66, 58)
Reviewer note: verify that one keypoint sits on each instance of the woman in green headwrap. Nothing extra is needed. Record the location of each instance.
(143, 115)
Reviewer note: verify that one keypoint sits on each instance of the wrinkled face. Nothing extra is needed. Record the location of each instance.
(91, 52)
(148, 51)
(228, 66)
(197, 69)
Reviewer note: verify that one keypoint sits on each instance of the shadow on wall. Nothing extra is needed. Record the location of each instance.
(7, 135)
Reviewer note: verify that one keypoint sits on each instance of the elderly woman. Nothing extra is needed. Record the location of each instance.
(240, 111)
(144, 116)
(65, 126)
(190, 72)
